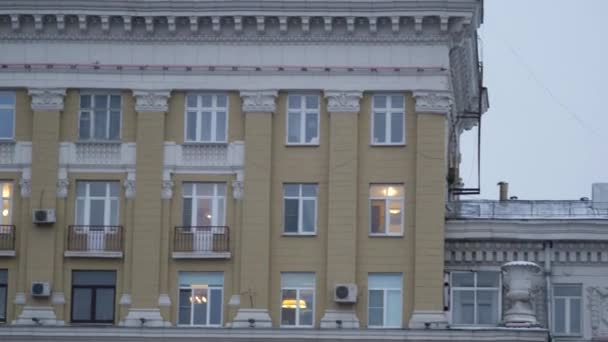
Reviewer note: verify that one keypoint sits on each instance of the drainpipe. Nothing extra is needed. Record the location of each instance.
(548, 246)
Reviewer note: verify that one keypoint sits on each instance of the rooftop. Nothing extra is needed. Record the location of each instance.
(527, 210)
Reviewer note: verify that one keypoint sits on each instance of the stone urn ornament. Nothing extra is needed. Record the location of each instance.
(522, 279)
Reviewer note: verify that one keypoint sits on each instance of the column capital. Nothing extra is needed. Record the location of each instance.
(152, 101)
(47, 99)
(343, 101)
(439, 102)
(259, 101)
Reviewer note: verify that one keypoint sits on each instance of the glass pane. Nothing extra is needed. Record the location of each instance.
(377, 191)
(396, 127)
(567, 290)
(393, 308)
(184, 306)
(215, 311)
(293, 128)
(80, 212)
(221, 101)
(219, 219)
(191, 126)
(101, 119)
(97, 189)
(306, 306)
(5, 217)
(101, 101)
(85, 101)
(376, 308)
(291, 216)
(3, 277)
(114, 125)
(376, 298)
(463, 279)
(104, 304)
(288, 307)
(487, 307)
(464, 307)
(204, 189)
(81, 304)
(115, 101)
(97, 213)
(187, 212)
(206, 101)
(560, 315)
(312, 102)
(395, 214)
(375, 317)
(84, 127)
(308, 216)
(7, 99)
(199, 301)
(187, 189)
(191, 101)
(379, 127)
(294, 102)
(206, 126)
(379, 101)
(6, 123)
(487, 279)
(575, 316)
(114, 189)
(309, 190)
(297, 279)
(396, 101)
(311, 128)
(2, 303)
(220, 133)
(94, 278)
(291, 190)
(113, 213)
(377, 216)
(221, 189)
(204, 215)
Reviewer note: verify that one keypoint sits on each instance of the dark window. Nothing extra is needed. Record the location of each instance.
(93, 296)
(3, 286)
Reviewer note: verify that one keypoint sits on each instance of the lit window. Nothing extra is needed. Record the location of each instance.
(7, 115)
(303, 119)
(93, 295)
(384, 300)
(206, 118)
(567, 300)
(386, 209)
(388, 120)
(297, 299)
(100, 116)
(475, 297)
(203, 217)
(7, 195)
(300, 208)
(3, 294)
(201, 296)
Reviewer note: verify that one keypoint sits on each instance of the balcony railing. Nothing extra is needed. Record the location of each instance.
(7, 240)
(95, 241)
(201, 242)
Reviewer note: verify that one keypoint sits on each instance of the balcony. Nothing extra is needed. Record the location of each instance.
(95, 242)
(201, 242)
(7, 240)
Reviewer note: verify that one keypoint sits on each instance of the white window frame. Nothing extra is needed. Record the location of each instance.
(384, 303)
(389, 110)
(475, 289)
(208, 316)
(13, 107)
(9, 198)
(301, 198)
(216, 198)
(108, 198)
(303, 111)
(567, 300)
(298, 289)
(387, 199)
(91, 111)
(199, 109)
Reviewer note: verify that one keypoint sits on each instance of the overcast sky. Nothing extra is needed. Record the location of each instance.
(546, 132)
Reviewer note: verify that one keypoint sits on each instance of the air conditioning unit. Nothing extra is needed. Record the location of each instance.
(43, 216)
(41, 289)
(345, 293)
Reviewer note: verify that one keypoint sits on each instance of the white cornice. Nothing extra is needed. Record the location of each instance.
(259, 101)
(151, 100)
(339, 101)
(47, 99)
(433, 102)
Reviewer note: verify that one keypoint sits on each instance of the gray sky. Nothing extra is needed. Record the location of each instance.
(546, 132)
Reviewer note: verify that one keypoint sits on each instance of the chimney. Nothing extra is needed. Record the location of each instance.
(600, 195)
(504, 191)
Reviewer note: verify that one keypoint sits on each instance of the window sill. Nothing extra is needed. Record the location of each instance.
(8, 141)
(199, 326)
(109, 142)
(302, 145)
(297, 326)
(205, 143)
(388, 144)
(385, 328)
(386, 235)
(299, 234)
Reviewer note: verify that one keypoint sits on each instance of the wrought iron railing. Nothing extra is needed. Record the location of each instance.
(7, 237)
(202, 239)
(95, 238)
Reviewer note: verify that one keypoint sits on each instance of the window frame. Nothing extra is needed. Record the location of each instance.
(387, 200)
(208, 316)
(4, 287)
(108, 198)
(215, 199)
(475, 288)
(14, 109)
(199, 109)
(10, 200)
(298, 289)
(385, 291)
(303, 111)
(93, 303)
(301, 198)
(567, 301)
(91, 110)
(388, 110)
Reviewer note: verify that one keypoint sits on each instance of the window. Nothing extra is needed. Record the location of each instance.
(297, 299)
(3, 294)
(388, 120)
(206, 118)
(100, 117)
(567, 300)
(303, 119)
(7, 115)
(204, 204)
(384, 300)
(97, 203)
(93, 296)
(6, 205)
(386, 209)
(201, 297)
(300, 208)
(475, 297)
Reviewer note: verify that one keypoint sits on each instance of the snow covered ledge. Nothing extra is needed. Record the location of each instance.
(521, 279)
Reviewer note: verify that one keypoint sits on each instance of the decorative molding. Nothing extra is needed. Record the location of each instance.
(521, 279)
(151, 100)
(47, 99)
(259, 101)
(167, 189)
(58, 298)
(343, 101)
(62, 183)
(19, 298)
(25, 183)
(129, 185)
(125, 299)
(597, 302)
(144, 318)
(203, 158)
(433, 102)
(164, 300)
(237, 189)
